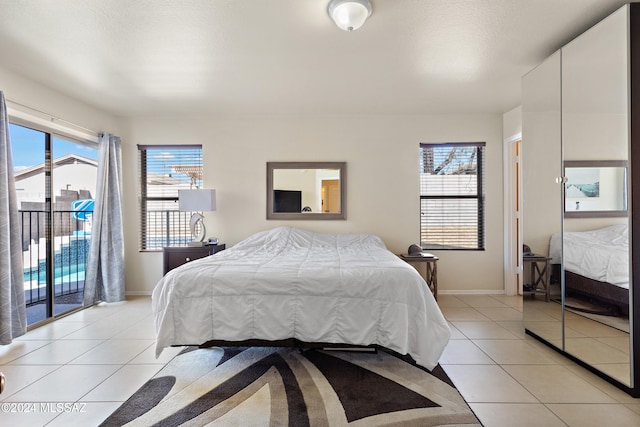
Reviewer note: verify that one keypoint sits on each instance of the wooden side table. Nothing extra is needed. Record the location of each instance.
(540, 275)
(175, 256)
(430, 271)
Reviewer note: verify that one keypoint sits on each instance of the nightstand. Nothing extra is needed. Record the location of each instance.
(175, 256)
(430, 270)
(540, 274)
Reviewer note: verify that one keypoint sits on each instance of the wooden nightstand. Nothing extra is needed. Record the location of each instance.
(430, 270)
(175, 256)
(540, 276)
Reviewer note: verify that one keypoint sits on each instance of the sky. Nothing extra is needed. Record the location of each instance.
(28, 150)
(28, 147)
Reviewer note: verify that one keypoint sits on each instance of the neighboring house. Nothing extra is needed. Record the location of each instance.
(72, 174)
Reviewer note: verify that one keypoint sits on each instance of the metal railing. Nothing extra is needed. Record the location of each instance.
(165, 228)
(70, 242)
(68, 249)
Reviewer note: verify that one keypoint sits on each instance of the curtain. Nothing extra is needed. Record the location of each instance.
(104, 277)
(13, 315)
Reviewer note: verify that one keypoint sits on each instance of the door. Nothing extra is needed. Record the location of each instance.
(542, 195)
(55, 186)
(331, 195)
(596, 236)
(513, 223)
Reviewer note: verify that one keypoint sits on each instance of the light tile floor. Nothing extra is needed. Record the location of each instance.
(511, 379)
(100, 356)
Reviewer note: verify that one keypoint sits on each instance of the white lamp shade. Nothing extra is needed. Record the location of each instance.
(349, 15)
(197, 200)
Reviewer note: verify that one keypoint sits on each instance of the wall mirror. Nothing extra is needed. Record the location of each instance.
(595, 188)
(306, 190)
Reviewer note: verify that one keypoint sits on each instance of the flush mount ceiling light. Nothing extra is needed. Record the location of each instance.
(349, 15)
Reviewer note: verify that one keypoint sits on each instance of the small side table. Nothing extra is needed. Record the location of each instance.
(430, 271)
(175, 256)
(540, 275)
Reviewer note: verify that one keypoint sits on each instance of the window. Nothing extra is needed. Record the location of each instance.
(165, 169)
(452, 196)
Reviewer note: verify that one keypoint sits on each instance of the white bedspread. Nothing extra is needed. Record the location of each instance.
(601, 254)
(291, 283)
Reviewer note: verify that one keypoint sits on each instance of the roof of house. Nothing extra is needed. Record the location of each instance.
(60, 161)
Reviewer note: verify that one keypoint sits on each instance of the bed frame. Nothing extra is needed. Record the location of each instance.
(594, 289)
(292, 342)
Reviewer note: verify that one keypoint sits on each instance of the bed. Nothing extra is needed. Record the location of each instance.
(292, 284)
(596, 263)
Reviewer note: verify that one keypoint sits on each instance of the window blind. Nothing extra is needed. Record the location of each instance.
(163, 170)
(452, 196)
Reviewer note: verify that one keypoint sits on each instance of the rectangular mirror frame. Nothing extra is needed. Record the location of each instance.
(597, 164)
(342, 166)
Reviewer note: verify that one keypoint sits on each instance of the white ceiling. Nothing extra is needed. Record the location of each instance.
(153, 57)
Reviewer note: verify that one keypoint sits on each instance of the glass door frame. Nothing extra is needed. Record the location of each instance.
(50, 222)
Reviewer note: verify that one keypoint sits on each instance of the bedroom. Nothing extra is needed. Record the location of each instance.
(379, 146)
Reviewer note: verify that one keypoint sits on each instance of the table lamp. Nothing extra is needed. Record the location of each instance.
(197, 201)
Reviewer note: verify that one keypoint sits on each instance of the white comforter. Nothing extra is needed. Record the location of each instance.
(291, 283)
(601, 254)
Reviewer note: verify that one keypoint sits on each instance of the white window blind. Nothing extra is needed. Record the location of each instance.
(452, 196)
(163, 170)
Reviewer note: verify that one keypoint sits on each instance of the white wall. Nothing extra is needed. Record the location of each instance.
(382, 174)
(24, 91)
(382, 180)
(512, 123)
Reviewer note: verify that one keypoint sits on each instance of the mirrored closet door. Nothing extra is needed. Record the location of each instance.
(542, 196)
(577, 191)
(595, 238)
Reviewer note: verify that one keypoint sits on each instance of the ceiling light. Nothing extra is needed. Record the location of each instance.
(349, 15)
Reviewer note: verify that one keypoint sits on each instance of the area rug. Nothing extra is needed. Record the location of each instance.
(260, 386)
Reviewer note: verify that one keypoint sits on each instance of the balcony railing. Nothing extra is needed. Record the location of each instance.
(70, 251)
(71, 239)
(165, 228)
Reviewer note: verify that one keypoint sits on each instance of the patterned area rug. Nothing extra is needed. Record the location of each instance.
(258, 386)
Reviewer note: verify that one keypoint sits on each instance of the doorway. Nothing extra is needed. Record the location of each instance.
(513, 215)
(331, 195)
(55, 185)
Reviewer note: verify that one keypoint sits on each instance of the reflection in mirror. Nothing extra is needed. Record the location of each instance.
(586, 232)
(542, 204)
(306, 190)
(595, 188)
(595, 237)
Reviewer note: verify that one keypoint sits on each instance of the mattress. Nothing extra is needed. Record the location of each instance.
(601, 254)
(291, 283)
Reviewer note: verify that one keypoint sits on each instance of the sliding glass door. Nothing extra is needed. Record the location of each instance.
(55, 186)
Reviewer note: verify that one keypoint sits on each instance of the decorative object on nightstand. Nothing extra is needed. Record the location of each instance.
(431, 267)
(197, 201)
(175, 256)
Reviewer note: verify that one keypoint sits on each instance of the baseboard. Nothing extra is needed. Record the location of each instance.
(472, 292)
(138, 293)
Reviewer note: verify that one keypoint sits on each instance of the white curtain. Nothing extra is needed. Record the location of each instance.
(104, 277)
(13, 316)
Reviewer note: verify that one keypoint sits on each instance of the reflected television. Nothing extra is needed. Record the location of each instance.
(287, 201)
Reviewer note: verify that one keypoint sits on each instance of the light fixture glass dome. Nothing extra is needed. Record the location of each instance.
(349, 15)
